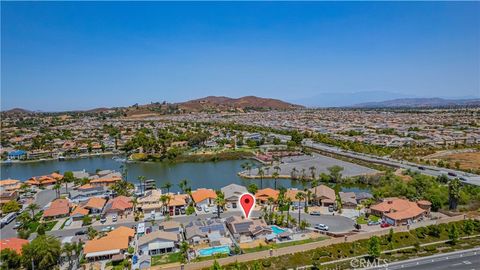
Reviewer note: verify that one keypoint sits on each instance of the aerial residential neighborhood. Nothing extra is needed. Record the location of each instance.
(250, 135)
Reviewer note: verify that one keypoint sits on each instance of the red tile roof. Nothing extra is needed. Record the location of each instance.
(13, 243)
(58, 207)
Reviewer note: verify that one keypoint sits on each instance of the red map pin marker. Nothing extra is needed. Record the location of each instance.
(247, 201)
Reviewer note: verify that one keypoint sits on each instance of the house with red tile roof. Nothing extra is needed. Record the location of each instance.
(13, 244)
(119, 205)
(203, 196)
(115, 243)
(95, 205)
(262, 195)
(10, 185)
(45, 180)
(396, 211)
(57, 209)
(105, 181)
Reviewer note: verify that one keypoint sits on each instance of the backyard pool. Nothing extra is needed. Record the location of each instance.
(214, 250)
(277, 230)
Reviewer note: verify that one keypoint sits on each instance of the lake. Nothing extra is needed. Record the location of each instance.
(199, 174)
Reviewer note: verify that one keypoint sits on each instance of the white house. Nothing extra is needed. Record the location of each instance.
(158, 242)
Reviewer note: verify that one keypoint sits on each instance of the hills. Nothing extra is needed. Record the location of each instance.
(244, 103)
(420, 103)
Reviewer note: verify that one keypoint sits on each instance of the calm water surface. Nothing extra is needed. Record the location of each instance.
(203, 174)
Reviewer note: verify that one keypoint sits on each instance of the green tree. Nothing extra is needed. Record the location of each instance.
(453, 234)
(184, 248)
(300, 196)
(167, 186)
(453, 193)
(32, 208)
(261, 174)
(252, 188)
(335, 173)
(57, 188)
(10, 207)
(68, 177)
(220, 202)
(275, 177)
(142, 179)
(42, 253)
(216, 266)
(91, 232)
(183, 185)
(374, 247)
(10, 259)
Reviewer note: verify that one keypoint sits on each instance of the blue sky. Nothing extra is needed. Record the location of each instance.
(60, 56)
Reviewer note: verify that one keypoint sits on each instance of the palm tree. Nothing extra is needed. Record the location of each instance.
(142, 180)
(220, 201)
(261, 173)
(91, 232)
(299, 196)
(164, 199)
(314, 185)
(277, 168)
(57, 187)
(288, 202)
(184, 247)
(312, 172)
(183, 184)
(32, 207)
(275, 177)
(453, 193)
(308, 199)
(68, 248)
(134, 203)
(293, 173)
(67, 178)
(167, 186)
(267, 170)
(271, 203)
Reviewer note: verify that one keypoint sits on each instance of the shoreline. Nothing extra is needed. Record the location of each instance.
(3, 162)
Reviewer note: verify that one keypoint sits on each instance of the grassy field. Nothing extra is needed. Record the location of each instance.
(280, 245)
(466, 160)
(166, 258)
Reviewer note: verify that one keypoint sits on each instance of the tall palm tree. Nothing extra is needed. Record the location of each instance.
(277, 168)
(314, 185)
(220, 201)
(32, 207)
(288, 202)
(142, 180)
(271, 203)
(267, 170)
(164, 199)
(167, 186)
(275, 177)
(293, 173)
(183, 185)
(308, 198)
(57, 187)
(184, 247)
(300, 196)
(312, 172)
(261, 174)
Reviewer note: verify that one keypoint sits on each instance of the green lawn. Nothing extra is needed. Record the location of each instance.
(166, 258)
(363, 220)
(49, 225)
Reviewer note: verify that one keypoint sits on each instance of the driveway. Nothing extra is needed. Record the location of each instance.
(335, 223)
(44, 197)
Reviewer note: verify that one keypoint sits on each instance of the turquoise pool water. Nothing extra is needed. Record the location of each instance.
(277, 230)
(213, 250)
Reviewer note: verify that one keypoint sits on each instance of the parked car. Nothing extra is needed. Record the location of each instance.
(82, 232)
(330, 208)
(452, 174)
(421, 168)
(17, 225)
(103, 220)
(114, 218)
(108, 228)
(463, 179)
(182, 211)
(373, 223)
(199, 208)
(384, 225)
(315, 213)
(321, 227)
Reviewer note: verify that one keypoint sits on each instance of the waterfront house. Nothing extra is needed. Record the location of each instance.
(120, 206)
(348, 200)
(113, 245)
(232, 193)
(10, 185)
(158, 242)
(176, 203)
(57, 209)
(87, 191)
(198, 231)
(361, 197)
(105, 181)
(245, 230)
(396, 211)
(291, 194)
(44, 180)
(323, 195)
(203, 196)
(262, 195)
(17, 154)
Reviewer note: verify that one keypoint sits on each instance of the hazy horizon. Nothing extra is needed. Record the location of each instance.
(59, 56)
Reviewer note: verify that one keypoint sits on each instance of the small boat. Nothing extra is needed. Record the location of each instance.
(61, 158)
(119, 159)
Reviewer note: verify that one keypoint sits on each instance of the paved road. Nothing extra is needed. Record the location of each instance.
(429, 170)
(459, 260)
(335, 223)
(44, 197)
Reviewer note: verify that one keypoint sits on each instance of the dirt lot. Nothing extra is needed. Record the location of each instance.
(468, 160)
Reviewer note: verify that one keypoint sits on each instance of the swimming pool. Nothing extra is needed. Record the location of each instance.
(214, 250)
(277, 230)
